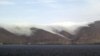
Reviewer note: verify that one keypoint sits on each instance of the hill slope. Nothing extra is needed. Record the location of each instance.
(52, 34)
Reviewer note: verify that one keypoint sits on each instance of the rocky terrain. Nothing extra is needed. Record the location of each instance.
(89, 34)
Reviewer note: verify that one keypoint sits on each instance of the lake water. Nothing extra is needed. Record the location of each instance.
(50, 50)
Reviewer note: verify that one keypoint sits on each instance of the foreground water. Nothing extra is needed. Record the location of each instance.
(50, 50)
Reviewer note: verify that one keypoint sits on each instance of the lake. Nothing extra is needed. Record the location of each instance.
(50, 50)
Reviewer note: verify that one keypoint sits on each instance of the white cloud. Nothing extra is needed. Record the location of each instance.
(55, 28)
(70, 27)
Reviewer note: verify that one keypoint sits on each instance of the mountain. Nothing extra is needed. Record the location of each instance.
(90, 34)
(67, 33)
(39, 37)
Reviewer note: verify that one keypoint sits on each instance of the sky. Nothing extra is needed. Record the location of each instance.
(48, 11)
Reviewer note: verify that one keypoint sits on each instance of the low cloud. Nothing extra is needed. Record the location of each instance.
(55, 28)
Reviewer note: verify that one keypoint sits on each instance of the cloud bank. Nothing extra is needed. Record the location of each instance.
(55, 28)
(65, 10)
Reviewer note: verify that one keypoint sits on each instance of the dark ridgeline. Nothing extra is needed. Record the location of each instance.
(39, 37)
(90, 34)
(85, 35)
(50, 50)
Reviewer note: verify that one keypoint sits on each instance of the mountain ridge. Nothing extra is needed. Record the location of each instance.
(51, 34)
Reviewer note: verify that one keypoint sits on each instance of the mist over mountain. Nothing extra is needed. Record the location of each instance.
(58, 33)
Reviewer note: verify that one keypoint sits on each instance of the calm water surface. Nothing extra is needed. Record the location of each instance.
(50, 50)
